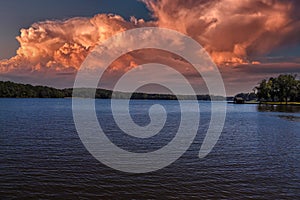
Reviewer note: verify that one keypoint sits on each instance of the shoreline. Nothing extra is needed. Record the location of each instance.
(271, 103)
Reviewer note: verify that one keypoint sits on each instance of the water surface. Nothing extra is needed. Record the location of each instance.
(41, 155)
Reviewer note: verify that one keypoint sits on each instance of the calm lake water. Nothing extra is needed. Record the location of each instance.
(41, 155)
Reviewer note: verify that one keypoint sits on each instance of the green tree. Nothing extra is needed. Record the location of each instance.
(263, 90)
(287, 87)
(284, 87)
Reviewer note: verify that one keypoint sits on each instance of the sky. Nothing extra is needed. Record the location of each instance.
(44, 43)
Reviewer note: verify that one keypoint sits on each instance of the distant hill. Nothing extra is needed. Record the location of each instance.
(15, 90)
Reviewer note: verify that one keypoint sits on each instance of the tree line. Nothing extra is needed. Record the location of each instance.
(15, 90)
(284, 88)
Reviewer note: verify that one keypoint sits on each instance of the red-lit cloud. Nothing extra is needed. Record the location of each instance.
(232, 31)
(235, 33)
(63, 45)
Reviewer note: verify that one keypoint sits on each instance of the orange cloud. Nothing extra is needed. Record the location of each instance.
(60, 45)
(232, 31)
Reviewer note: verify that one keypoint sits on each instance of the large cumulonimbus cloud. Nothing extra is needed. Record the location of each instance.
(61, 46)
(233, 32)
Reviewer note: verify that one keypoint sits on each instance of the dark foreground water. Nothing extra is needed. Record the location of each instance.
(41, 155)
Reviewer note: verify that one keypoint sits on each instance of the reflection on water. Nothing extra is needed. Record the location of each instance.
(290, 117)
(278, 108)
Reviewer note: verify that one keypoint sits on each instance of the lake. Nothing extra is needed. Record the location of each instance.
(41, 155)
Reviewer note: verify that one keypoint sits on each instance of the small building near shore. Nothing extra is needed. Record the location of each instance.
(238, 100)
